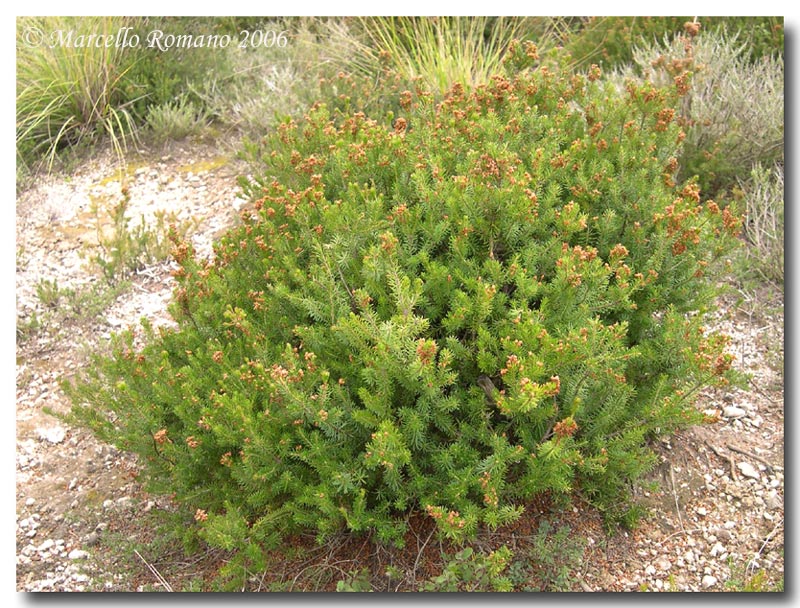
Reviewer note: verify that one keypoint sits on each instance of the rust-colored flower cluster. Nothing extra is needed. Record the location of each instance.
(426, 351)
(565, 428)
(451, 518)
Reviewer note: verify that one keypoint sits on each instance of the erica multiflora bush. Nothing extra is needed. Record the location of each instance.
(449, 311)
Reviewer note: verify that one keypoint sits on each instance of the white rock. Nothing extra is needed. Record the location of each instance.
(731, 411)
(688, 557)
(663, 564)
(748, 470)
(709, 581)
(717, 549)
(650, 570)
(77, 554)
(773, 501)
(702, 511)
(728, 525)
(54, 434)
(45, 545)
(30, 501)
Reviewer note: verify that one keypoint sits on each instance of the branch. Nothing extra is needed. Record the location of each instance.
(155, 572)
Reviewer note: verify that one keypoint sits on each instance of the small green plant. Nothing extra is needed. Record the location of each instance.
(751, 579)
(471, 571)
(175, 120)
(125, 249)
(49, 293)
(550, 559)
(60, 307)
(358, 583)
(447, 311)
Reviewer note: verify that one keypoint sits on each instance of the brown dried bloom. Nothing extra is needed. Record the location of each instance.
(692, 28)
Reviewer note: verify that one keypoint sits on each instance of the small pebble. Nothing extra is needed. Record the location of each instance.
(708, 581)
(773, 501)
(731, 411)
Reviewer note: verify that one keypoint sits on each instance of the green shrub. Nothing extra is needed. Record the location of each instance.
(470, 571)
(733, 109)
(165, 74)
(175, 120)
(764, 228)
(610, 41)
(272, 80)
(483, 299)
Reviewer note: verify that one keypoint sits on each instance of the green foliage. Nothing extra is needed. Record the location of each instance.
(437, 51)
(69, 90)
(325, 370)
(750, 578)
(471, 571)
(163, 75)
(175, 120)
(358, 583)
(733, 108)
(60, 307)
(466, 570)
(124, 248)
(763, 197)
(72, 90)
(610, 41)
(548, 562)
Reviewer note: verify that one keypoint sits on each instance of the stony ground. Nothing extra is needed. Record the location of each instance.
(717, 513)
